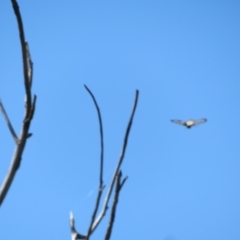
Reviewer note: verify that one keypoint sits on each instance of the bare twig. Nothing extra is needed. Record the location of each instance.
(8, 123)
(30, 107)
(101, 186)
(25, 55)
(74, 234)
(118, 187)
(101, 135)
(105, 206)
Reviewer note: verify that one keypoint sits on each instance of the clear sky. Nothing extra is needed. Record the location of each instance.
(184, 58)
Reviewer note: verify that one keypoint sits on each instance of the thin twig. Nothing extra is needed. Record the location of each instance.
(105, 206)
(101, 134)
(100, 190)
(118, 188)
(9, 123)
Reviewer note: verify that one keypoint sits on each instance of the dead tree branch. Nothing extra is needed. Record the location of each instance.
(26, 59)
(29, 108)
(118, 186)
(101, 186)
(125, 141)
(14, 135)
(115, 180)
(74, 234)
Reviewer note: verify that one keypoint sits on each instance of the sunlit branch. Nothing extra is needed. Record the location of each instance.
(74, 234)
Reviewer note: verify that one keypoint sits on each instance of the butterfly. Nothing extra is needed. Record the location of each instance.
(190, 123)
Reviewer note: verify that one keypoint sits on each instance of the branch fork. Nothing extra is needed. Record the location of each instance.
(29, 109)
(116, 179)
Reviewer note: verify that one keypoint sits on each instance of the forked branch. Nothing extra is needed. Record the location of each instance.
(29, 108)
(118, 186)
(115, 180)
(125, 141)
(74, 234)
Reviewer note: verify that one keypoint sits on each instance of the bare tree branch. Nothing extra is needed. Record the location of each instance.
(29, 108)
(118, 186)
(115, 180)
(74, 234)
(8, 123)
(25, 55)
(101, 135)
(105, 206)
(101, 186)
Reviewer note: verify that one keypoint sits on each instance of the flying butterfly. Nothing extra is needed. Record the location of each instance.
(190, 123)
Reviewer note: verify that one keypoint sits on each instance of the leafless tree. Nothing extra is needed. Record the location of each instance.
(21, 140)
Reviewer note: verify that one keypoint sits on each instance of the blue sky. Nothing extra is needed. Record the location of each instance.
(184, 58)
